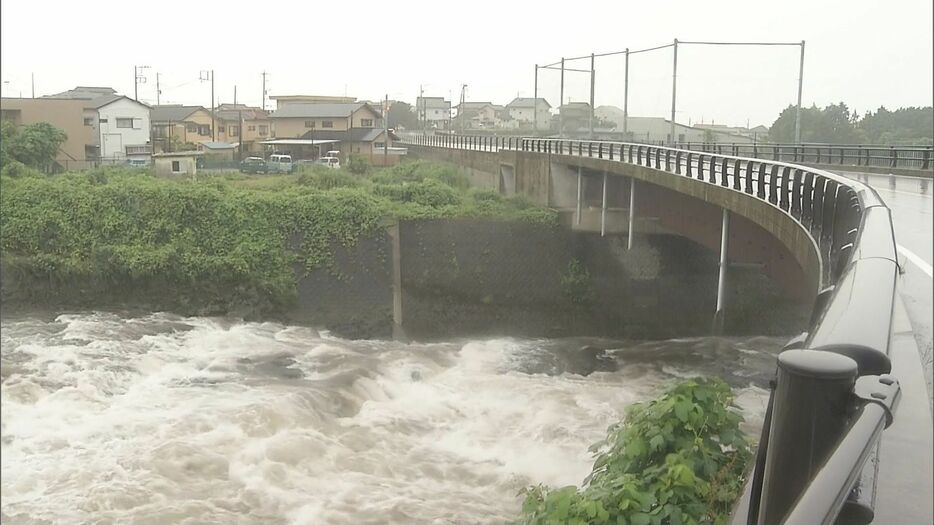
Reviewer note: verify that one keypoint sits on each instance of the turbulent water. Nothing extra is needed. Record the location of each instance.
(163, 419)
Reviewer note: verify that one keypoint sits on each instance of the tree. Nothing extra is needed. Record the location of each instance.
(401, 116)
(904, 126)
(834, 124)
(35, 145)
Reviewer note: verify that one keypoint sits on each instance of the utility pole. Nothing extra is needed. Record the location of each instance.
(33, 83)
(235, 95)
(138, 79)
(421, 107)
(674, 89)
(561, 101)
(158, 90)
(535, 103)
(213, 116)
(264, 91)
(386, 131)
(239, 131)
(626, 99)
(592, 85)
(800, 86)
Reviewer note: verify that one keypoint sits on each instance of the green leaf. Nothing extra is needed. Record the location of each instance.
(640, 518)
(656, 442)
(682, 409)
(591, 508)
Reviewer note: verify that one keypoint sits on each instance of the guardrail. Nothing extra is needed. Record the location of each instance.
(867, 155)
(832, 394)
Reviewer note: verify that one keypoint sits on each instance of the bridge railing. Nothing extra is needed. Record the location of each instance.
(859, 155)
(830, 402)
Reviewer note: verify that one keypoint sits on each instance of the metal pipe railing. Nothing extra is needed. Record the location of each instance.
(869, 155)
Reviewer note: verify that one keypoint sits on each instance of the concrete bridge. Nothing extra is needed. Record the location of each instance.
(828, 240)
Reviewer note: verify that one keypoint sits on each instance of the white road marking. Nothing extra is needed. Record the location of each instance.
(919, 262)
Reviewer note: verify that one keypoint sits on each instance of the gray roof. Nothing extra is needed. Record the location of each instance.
(432, 103)
(234, 114)
(522, 102)
(84, 92)
(476, 105)
(100, 102)
(315, 110)
(172, 112)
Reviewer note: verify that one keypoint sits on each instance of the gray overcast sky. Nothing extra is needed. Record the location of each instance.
(865, 53)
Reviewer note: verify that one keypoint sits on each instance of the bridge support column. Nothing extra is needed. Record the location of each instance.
(632, 212)
(398, 333)
(721, 281)
(580, 196)
(603, 209)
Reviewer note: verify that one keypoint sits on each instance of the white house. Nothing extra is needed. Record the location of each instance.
(522, 111)
(434, 112)
(124, 127)
(120, 125)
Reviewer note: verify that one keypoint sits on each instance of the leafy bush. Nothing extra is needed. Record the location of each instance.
(222, 238)
(357, 164)
(678, 459)
(325, 178)
(577, 284)
(34, 145)
(419, 171)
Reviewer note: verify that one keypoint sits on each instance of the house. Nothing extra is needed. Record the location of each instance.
(80, 148)
(176, 163)
(305, 129)
(106, 128)
(294, 120)
(524, 112)
(433, 112)
(124, 128)
(574, 116)
(478, 115)
(120, 123)
(175, 125)
(218, 151)
(256, 125)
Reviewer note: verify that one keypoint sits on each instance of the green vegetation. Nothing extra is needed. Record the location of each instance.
(358, 165)
(678, 459)
(220, 243)
(577, 284)
(32, 146)
(837, 124)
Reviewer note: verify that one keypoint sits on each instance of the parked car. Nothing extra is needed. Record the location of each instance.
(137, 163)
(280, 164)
(253, 165)
(330, 162)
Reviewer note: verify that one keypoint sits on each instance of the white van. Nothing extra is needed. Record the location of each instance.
(280, 164)
(330, 162)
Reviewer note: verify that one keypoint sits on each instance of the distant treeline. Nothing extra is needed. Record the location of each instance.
(837, 124)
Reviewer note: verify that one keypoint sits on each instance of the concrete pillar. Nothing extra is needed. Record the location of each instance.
(632, 211)
(580, 195)
(603, 209)
(397, 332)
(721, 281)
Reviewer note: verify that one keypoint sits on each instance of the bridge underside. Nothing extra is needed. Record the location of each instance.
(760, 236)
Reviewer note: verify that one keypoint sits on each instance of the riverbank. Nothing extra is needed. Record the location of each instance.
(409, 251)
